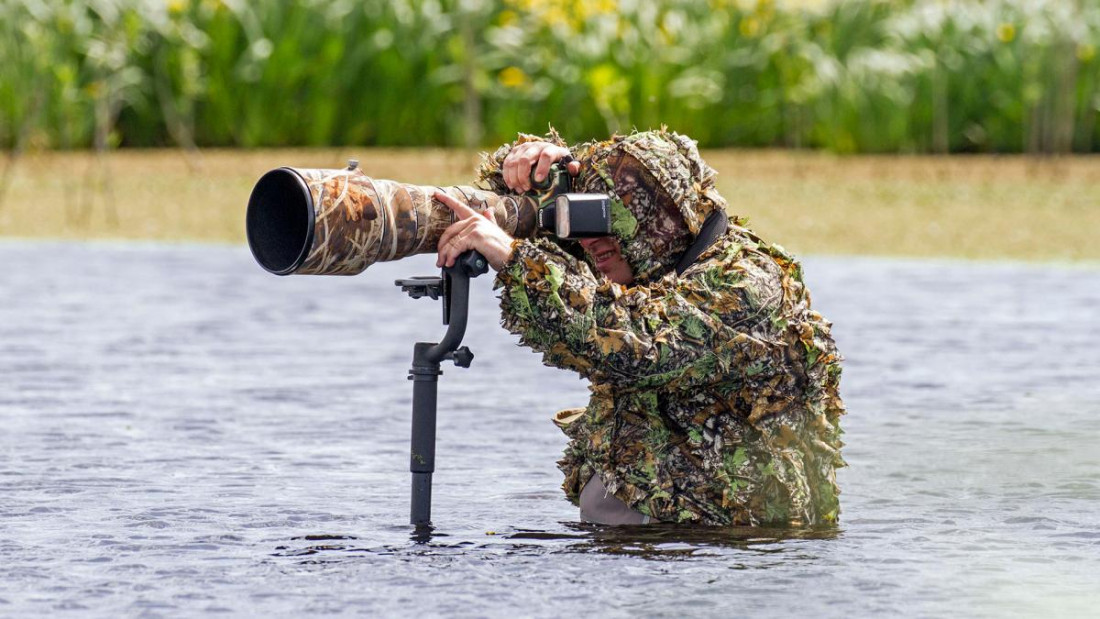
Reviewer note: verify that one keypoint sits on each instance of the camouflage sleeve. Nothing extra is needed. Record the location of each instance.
(676, 333)
(489, 175)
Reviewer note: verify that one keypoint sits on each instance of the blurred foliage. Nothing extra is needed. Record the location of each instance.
(850, 76)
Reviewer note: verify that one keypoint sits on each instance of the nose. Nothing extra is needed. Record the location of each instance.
(587, 243)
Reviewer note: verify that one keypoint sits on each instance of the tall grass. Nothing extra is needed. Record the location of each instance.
(850, 76)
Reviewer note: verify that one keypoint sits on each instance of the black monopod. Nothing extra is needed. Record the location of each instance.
(453, 287)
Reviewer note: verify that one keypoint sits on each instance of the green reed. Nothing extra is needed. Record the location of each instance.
(852, 76)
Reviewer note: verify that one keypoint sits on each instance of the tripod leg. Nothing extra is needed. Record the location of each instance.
(425, 377)
(421, 512)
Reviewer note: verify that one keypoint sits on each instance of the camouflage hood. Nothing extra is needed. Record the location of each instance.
(662, 192)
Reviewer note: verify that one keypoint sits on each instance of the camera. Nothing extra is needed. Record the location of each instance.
(339, 222)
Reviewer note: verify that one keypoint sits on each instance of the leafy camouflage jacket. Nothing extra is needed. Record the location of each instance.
(714, 392)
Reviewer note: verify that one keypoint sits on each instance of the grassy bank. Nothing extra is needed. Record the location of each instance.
(813, 203)
(850, 76)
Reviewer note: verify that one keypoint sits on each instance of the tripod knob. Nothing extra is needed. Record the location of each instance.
(462, 357)
(473, 263)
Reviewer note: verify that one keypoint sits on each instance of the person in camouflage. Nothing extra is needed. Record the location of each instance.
(714, 391)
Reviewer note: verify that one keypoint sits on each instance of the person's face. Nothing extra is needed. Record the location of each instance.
(608, 256)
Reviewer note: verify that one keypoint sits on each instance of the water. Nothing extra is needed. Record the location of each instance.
(185, 434)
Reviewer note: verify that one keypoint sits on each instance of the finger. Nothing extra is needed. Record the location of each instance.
(444, 256)
(465, 241)
(511, 166)
(524, 162)
(448, 236)
(441, 260)
(447, 253)
(546, 157)
(532, 163)
(462, 211)
(574, 168)
(454, 230)
(457, 245)
(444, 198)
(445, 238)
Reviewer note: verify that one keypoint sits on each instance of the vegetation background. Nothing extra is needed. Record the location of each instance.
(910, 77)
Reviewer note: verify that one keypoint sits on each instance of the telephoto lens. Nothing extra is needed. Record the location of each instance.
(339, 222)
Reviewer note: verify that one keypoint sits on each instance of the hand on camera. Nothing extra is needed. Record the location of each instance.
(473, 230)
(533, 155)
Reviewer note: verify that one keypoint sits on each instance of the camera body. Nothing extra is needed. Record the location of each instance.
(570, 215)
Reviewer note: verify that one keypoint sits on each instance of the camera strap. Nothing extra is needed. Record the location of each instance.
(714, 226)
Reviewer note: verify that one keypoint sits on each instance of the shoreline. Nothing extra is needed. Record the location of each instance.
(976, 207)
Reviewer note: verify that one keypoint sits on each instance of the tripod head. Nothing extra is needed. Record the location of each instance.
(453, 287)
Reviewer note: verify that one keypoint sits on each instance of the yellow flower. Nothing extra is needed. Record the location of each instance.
(555, 16)
(513, 77)
(175, 7)
(585, 9)
(605, 7)
(1006, 32)
(749, 27)
(602, 77)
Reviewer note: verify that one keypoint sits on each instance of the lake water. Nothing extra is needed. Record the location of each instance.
(184, 434)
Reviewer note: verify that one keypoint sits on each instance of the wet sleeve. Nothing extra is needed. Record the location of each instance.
(673, 334)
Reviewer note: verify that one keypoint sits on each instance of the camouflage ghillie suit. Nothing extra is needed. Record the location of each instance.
(714, 393)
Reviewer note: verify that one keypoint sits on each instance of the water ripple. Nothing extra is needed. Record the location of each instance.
(186, 434)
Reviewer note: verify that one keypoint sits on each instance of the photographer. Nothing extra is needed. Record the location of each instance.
(714, 385)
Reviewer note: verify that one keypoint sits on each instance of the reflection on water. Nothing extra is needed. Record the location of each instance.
(661, 541)
(674, 542)
(186, 434)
